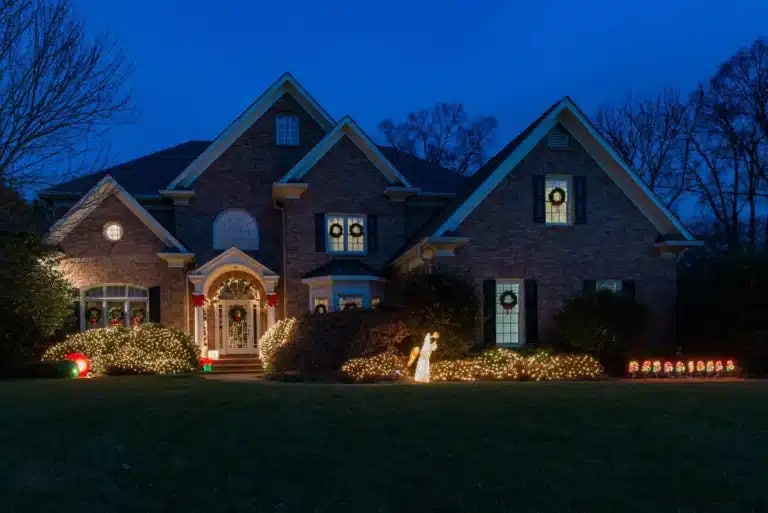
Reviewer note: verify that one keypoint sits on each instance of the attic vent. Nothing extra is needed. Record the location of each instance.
(558, 139)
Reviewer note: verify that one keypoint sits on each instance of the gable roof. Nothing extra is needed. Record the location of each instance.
(346, 127)
(342, 267)
(565, 112)
(105, 188)
(143, 175)
(423, 174)
(286, 84)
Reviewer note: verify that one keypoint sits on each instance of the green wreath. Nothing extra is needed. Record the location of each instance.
(508, 300)
(336, 230)
(237, 313)
(321, 309)
(350, 305)
(94, 315)
(356, 230)
(140, 313)
(557, 196)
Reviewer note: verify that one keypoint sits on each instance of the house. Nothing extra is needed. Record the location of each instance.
(290, 211)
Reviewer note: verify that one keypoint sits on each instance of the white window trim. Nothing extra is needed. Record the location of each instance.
(521, 309)
(286, 115)
(104, 299)
(331, 287)
(605, 281)
(328, 238)
(568, 198)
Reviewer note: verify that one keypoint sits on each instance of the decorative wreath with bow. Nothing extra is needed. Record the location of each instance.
(356, 230)
(350, 305)
(557, 196)
(94, 315)
(321, 309)
(138, 313)
(508, 300)
(237, 313)
(336, 230)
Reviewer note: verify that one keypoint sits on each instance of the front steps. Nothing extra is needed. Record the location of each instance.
(237, 364)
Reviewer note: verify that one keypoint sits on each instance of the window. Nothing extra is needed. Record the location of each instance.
(346, 233)
(320, 305)
(235, 227)
(111, 305)
(287, 126)
(557, 204)
(350, 302)
(375, 302)
(509, 318)
(113, 231)
(612, 285)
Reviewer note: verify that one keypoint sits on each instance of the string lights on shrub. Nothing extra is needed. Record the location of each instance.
(277, 335)
(148, 349)
(699, 368)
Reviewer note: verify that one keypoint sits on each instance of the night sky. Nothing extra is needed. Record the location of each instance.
(198, 64)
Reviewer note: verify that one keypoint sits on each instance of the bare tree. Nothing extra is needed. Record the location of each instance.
(648, 134)
(444, 135)
(60, 91)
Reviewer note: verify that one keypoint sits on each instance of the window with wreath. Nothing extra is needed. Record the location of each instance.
(612, 285)
(350, 302)
(556, 199)
(113, 306)
(287, 128)
(346, 233)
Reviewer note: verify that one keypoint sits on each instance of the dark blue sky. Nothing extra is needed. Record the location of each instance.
(200, 63)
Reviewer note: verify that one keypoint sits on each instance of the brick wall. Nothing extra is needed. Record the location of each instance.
(616, 242)
(93, 260)
(344, 181)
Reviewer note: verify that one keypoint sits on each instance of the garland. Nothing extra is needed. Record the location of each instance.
(321, 309)
(557, 196)
(237, 313)
(356, 230)
(336, 230)
(508, 300)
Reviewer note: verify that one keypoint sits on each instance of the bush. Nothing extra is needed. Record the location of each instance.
(604, 324)
(275, 337)
(150, 349)
(492, 365)
(323, 343)
(441, 302)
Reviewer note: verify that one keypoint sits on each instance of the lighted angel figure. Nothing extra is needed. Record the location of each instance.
(422, 366)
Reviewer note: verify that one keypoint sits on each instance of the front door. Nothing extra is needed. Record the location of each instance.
(239, 326)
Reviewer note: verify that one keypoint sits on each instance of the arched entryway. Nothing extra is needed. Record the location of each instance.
(231, 311)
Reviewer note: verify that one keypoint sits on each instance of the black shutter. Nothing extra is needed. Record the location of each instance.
(538, 199)
(373, 235)
(628, 288)
(154, 304)
(489, 312)
(580, 199)
(76, 319)
(531, 291)
(589, 287)
(320, 233)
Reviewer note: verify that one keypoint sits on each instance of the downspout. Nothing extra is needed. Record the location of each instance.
(284, 271)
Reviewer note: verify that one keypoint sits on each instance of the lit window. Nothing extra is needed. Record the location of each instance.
(612, 285)
(235, 227)
(113, 231)
(557, 203)
(287, 126)
(346, 233)
(508, 313)
(375, 302)
(350, 302)
(320, 305)
(114, 305)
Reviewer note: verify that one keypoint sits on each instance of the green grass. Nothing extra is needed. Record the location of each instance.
(187, 444)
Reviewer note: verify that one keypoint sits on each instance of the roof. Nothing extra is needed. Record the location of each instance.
(342, 267)
(144, 175)
(423, 174)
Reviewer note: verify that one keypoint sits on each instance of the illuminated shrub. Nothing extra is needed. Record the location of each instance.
(388, 366)
(493, 365)
(150, 349)
(278, 335)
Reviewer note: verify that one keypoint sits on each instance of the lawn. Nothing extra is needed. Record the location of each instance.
(187, 444)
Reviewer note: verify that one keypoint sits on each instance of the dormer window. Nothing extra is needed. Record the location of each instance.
(287, 130)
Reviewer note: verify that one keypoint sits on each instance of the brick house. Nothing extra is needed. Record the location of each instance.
(289, 211)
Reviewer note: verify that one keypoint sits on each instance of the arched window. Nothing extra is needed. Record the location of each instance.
(235, 227)
(111, 305)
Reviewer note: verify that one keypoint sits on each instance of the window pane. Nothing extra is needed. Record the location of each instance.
(287, 126)
(116, 313)
(612, 285)
(335, 225)
(320, 301)
(137, 292)
(94, 315)
(556, 213)
(138, 312)
(356, 234)
(116, 291)
(94, 292)
(507, 319)
(350, 302)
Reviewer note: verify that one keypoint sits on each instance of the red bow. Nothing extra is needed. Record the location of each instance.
(198, 300)
(273, 299)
